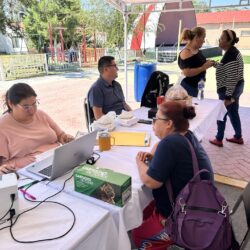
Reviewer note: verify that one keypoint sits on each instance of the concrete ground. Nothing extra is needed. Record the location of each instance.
(61, 96)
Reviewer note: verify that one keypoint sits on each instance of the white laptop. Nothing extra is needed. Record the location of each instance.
(65, 157)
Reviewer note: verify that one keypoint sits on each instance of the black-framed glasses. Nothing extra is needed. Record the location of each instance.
(112, 65)
(161, 119)
(27, 107)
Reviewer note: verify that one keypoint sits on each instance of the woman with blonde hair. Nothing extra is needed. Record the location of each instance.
(191, 60)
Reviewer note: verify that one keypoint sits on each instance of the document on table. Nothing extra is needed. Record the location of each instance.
(140, 139)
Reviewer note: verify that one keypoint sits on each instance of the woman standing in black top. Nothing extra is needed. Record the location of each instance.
(191, 61)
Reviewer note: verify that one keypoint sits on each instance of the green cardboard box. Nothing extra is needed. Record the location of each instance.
(103, 184)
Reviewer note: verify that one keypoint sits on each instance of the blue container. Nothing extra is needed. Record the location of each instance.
(142, 73)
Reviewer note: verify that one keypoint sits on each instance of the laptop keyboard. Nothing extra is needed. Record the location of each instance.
(46, 171)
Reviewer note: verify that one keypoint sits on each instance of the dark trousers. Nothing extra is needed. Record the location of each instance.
(232, 112)
(192, 91)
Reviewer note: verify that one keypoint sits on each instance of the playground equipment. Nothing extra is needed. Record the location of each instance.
(86, 55)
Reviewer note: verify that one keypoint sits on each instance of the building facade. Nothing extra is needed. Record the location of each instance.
(216, 22)
(12, 44)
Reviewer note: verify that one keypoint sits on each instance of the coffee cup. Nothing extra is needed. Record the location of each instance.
(105, 141)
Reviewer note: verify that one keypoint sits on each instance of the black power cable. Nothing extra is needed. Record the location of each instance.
(12, 223)
(12, 202)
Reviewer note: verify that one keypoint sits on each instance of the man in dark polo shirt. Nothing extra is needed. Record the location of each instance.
(106, 94)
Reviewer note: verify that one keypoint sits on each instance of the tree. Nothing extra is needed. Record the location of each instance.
(201, 6)
(41, 13)
(11, 13)
(90, 17)
(101, 17)
(2, 17)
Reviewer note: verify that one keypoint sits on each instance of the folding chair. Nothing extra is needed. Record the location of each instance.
(89, 115)
(245, 198)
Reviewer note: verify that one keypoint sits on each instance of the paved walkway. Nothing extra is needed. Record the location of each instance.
(62, 98)
(231, 160)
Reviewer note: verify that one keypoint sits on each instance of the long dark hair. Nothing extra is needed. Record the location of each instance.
(17, 93)
(178, 113)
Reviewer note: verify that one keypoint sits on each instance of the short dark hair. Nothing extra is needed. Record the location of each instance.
(17, 93)
(104, 61)
(178, 113)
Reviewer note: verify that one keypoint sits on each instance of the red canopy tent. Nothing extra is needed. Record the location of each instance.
(127, 7)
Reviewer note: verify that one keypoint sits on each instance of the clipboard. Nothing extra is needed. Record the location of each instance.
(139, 139)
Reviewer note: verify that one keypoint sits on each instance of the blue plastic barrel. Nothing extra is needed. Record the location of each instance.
(142, 73)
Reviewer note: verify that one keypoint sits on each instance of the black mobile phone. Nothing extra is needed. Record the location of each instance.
(145, 121)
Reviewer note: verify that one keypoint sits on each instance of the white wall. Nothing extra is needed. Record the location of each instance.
(6, 45)
(213, 32)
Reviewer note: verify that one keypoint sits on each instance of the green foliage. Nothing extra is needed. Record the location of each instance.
(246, 59)
(101, 17)
(78, 17)
(10, 15)
(41, 13)
(2, 18)
(201, 6)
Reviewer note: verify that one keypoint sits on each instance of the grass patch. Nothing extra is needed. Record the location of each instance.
(246, 59)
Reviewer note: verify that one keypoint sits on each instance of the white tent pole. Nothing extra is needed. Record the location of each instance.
(125, 18)
(179, 38)
(233, 23)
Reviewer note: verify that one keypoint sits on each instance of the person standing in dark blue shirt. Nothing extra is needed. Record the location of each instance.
(170, 159)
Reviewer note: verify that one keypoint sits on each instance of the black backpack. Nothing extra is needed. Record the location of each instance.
(157, 85)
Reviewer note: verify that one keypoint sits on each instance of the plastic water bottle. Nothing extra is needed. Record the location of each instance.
(201, 85)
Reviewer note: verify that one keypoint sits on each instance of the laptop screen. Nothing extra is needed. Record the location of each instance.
(68, 156)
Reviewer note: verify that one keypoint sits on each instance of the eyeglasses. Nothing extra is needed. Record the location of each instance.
(112, 65)
(161, 119)
(27, 107)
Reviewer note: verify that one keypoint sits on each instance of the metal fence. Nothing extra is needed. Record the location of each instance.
(22, 66)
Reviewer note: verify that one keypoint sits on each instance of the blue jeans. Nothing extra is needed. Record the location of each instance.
(232, 112)
(192, 91)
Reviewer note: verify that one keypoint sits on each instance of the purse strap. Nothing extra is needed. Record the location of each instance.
(195, 170)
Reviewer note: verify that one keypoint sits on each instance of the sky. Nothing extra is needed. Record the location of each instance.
(224, 2)
(214, 3)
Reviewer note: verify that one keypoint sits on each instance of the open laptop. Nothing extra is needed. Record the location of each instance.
(65, 157)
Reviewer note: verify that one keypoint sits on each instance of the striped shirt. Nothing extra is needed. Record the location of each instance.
(229, 72)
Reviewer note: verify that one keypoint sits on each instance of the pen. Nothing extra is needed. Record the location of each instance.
(27, 194)
(28, 185)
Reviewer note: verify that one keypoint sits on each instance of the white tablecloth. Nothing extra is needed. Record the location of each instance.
(208, 111)
(94, 228)
(122, 159)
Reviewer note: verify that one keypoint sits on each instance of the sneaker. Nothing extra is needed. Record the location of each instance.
(235, 140)
(216, 142)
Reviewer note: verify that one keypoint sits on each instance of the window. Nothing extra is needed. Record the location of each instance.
(245, 33)
(15, 42)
